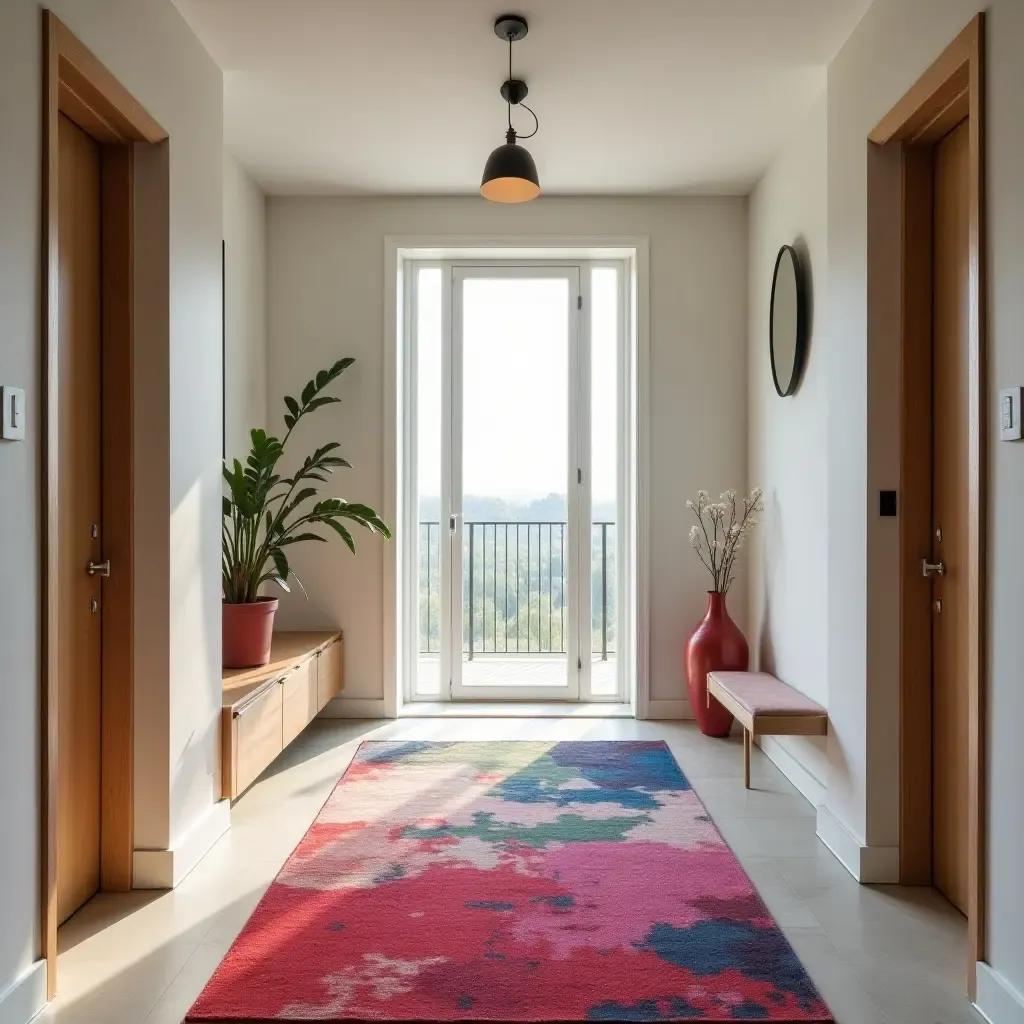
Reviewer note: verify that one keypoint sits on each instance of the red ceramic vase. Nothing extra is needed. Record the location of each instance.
(715, 645)
(247, 631)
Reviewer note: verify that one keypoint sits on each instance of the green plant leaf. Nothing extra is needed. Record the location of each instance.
(281, 583)
(343, 533)
(280, 562)
(292, 405)
(321, 401)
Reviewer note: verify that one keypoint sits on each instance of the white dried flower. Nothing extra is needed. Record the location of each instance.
(695, 537)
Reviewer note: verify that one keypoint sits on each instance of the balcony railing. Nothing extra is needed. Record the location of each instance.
(514, 586)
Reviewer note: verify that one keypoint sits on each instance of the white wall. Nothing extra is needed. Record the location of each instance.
(326, 299)
(147, 45)
(1005, 650)
(787, 439)
(892, 46)
(245, 384)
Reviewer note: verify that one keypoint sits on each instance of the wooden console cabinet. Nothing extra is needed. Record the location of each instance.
(264, 709)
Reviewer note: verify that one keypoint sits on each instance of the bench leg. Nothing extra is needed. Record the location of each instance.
(746, 759)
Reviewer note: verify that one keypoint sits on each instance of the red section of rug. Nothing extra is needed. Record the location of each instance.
(511, 882)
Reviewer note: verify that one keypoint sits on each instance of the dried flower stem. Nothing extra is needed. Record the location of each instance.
(732, 522)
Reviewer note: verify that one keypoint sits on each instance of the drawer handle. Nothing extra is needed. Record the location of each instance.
(239, 711)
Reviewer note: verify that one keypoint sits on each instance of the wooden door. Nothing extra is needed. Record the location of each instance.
(951, 306)
(80, 530)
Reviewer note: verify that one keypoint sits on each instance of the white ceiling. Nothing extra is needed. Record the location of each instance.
(401, 96)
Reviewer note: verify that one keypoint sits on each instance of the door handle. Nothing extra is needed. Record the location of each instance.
(99, 568)
(452, 521)
(932, 568)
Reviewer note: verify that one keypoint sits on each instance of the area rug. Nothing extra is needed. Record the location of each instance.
(511, 882)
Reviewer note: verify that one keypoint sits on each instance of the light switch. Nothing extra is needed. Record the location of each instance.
(13, 413)
(1009, 414)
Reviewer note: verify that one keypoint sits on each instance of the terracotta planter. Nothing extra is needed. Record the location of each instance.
(247, 632)
(716, 644)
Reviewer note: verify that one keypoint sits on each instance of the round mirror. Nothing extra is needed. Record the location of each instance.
(787, 329)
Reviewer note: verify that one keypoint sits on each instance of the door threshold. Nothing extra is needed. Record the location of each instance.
(514, 709)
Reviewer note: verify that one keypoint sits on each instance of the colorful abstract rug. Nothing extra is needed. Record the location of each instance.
(511, 882)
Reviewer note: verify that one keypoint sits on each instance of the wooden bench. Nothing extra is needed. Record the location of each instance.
(263, 709)
(765, 706)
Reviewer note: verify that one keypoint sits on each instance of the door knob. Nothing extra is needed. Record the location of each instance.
(99, 568)
(932, 568)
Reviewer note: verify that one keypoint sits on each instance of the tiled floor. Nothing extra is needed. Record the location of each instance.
(878, 954)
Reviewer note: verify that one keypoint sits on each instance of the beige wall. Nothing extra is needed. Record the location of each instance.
(245, 350)
(788, 440)
(326, 299)
(148, 46)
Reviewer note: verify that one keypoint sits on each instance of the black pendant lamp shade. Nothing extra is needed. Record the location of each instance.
(510, 175)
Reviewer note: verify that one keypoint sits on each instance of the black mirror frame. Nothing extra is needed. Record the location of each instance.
(800, 349)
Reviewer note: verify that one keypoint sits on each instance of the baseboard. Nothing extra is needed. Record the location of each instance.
(354, 707)
(873, 864)
(997, 1000)
(810, 788)
(668, 710)
(164, 869)
(26, 997)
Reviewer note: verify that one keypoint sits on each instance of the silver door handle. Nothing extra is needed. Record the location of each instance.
(932, 568)
(99, 568)
(451, 522)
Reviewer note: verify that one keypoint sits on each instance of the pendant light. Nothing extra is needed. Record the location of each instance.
(510, 175)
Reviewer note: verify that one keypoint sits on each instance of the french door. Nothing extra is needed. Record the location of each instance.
(515, 575)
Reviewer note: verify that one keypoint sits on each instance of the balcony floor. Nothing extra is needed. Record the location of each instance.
(523, 670)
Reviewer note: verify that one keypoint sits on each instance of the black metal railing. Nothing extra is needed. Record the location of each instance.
(514, 588)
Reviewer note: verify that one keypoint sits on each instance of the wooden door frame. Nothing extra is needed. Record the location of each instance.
(951, 90)
(77, 85)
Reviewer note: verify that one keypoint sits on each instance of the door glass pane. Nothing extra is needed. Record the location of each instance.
(515, 472)
(604, 334)
(429, 430)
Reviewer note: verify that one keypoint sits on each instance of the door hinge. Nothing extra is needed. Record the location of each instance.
(579, 301)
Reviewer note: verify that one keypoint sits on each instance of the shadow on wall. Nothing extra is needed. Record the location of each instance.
(804, 255)
(771, 542)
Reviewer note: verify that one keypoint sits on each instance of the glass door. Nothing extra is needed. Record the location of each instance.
(514, 509)
(518, 581)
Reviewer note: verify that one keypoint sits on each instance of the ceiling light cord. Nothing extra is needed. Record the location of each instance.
(510, 78)
(536, 124)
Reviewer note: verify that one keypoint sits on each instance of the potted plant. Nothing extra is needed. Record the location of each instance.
(266, 512)
(717, 643)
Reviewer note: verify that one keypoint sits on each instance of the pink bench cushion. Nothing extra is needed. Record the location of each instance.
(762, 694)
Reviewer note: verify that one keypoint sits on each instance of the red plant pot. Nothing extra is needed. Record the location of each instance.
(247, 632)
(715, 645)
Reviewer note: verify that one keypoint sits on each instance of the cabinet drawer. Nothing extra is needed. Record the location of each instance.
(256, 728)
(330, 671)
(298, 693)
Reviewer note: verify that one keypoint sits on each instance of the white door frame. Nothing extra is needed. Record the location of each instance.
(399, 419)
